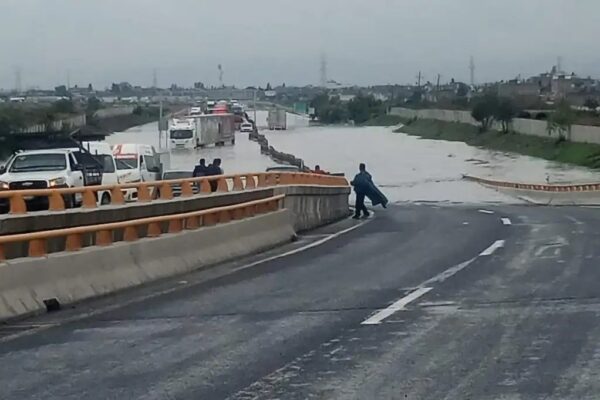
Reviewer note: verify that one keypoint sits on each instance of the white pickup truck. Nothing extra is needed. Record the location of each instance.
(54, 168)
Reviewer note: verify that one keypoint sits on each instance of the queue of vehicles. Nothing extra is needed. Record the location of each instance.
(85, 164)
(213, 123)
(98, 163)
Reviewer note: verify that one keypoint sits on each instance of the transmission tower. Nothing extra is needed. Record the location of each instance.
(323, 70)
(18, 79)
(559, 62)
(472, 70)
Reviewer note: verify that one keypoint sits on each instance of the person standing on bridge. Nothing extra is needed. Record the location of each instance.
(213, 170)
(361, 182)
(201, 169)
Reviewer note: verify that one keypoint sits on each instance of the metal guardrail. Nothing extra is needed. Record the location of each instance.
(105, 233)
(584, 187)
(163, 190)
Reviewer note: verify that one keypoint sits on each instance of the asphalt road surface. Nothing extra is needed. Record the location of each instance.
(420, 302)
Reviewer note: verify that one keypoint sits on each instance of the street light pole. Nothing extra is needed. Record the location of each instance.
(255, 122)
(160, 122)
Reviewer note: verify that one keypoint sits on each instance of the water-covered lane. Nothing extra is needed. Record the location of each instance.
(410, 168)
(407, 167)
(244, 156)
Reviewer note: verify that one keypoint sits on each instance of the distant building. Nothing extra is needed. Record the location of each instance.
(558, 84)
(346, 97)
(519, 88)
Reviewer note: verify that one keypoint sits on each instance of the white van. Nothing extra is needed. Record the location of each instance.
(136, 163)
(102, 152)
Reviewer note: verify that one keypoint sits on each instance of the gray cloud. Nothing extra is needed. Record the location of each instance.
(366, 41)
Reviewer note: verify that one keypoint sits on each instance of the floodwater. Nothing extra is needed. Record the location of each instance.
(412, 169)
(244, 156)
(407, 168)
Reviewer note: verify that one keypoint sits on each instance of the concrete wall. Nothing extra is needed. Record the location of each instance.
(579, 133)
(314, 206)
(114, 112)
(55, 126)
(69, 277)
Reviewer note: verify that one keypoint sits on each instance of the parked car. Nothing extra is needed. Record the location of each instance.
(53, 168)
(246, 127)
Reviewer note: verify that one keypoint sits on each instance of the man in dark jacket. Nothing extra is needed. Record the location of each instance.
(212, 170)
(201, 169)
(362, 183)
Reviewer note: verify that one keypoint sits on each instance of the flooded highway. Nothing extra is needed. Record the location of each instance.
(406, 167)
(244, 156)
(411, 169)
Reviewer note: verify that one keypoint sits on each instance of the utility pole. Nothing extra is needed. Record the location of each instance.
(160, 126)
(255, 122)
(472, 70)
(220, 68)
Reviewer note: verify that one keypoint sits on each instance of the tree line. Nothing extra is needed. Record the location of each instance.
(360, 109)
(491, 108)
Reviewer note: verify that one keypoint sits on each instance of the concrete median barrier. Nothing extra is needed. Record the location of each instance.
(44, 220)
(27, 283)
(314, 206)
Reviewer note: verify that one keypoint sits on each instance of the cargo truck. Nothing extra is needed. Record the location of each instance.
(217, 129)
(277, 119)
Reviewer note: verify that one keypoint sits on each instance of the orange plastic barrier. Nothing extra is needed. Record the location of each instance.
(163, 190)
(104, 233)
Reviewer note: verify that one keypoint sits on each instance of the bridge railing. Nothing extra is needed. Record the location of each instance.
(106, 234)
(163, 190)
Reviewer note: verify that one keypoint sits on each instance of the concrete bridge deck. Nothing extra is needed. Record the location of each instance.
(420, 302)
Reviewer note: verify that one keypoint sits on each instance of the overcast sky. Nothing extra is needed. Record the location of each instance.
(259, 41)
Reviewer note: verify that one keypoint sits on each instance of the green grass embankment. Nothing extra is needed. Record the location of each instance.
(582, 154)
